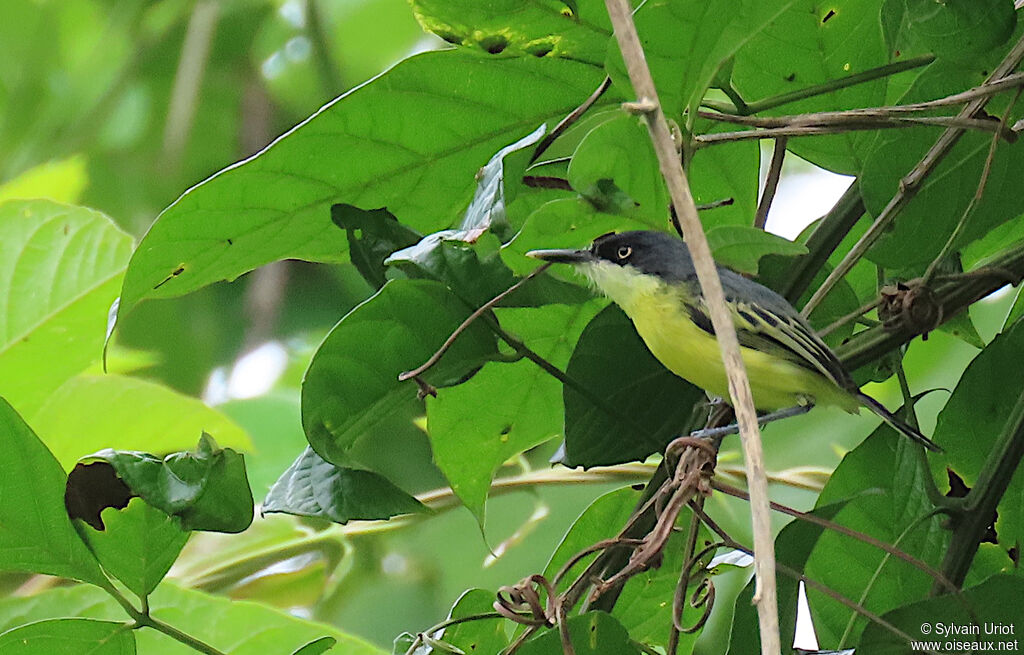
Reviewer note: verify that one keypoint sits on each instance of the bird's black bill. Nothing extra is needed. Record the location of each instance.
(562, 256)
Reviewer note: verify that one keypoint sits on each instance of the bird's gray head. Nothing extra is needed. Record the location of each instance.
(648, 252)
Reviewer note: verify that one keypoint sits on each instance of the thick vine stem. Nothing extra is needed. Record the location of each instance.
(711, 286)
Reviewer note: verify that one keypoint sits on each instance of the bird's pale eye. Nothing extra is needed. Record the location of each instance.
(623, 252)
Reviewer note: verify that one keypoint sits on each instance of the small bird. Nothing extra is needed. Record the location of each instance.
(650, 275)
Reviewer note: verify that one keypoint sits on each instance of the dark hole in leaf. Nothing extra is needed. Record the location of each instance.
(790, 77)
(450, 37)
(495, 44)
(90, 489)
(540, 49)
(959, 489)
(1014, 554)
(230, 242)
(828, 16)
(178, 271)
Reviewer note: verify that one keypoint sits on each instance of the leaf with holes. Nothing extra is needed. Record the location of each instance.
(35, 533)
(576, 30)
(410, 140)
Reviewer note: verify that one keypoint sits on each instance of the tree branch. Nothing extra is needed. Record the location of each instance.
(711, 286)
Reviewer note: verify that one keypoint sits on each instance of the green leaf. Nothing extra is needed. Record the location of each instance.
(317, 646)
(410, 140)
(372, 235)
(35, 533)
(237, 628)
(741, 247)
(812, 43)
(619, 152)
(61, 269)
(925, 225)
(992, 608)
(563, 223)
(506, 408)
(728, 170)
(314, 487)
(541, 28)
(958, 29)
(686, 43)
(895, 510)
(352, 383)
(138, 545)
(206, 489)
(61, 181)
(483, 636)
(79, 636)
(974, 417)
(602, 519)
(593, 633)
(962, 327)
(633, 405)
(92, 412)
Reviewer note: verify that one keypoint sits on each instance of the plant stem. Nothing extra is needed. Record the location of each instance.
(982, 500)
(739, 387)
(771, 183)
(911, 183)
(821, 89)
(143, 619)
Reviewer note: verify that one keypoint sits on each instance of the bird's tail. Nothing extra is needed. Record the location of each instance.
(896, 423)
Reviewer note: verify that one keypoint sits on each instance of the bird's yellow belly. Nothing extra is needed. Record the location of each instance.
(694, 355)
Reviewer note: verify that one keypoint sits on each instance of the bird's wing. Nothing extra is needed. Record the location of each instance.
(778, 333)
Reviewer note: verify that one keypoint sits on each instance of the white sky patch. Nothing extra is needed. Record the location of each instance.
(253, 374)
(804, 195)
(805, 637)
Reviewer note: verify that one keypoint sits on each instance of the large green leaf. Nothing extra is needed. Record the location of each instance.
(137, 546)
(619, 152)
(235, 627)
(686, 43)
(506, 408)
(92, 412)
(314, 487)
(960, 28)
(974, 417)
(35, 533)
(992, 609)
(576, 30)
(741, 247)
(352, 383)
(633, 406)
(206, 489)
(927, 222)
(811, 43)
(895, 510)
(411, 140)
(60, 267)
(78, 636)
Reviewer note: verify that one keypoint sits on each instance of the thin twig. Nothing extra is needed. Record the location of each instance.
(813, 584)
(933, 573)
(568, 121)
(860, 124)
(771, 183)
(620, 13)
(854, 315)
(911, 183)
(826, 87)
(436, 357)
(978, 193)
